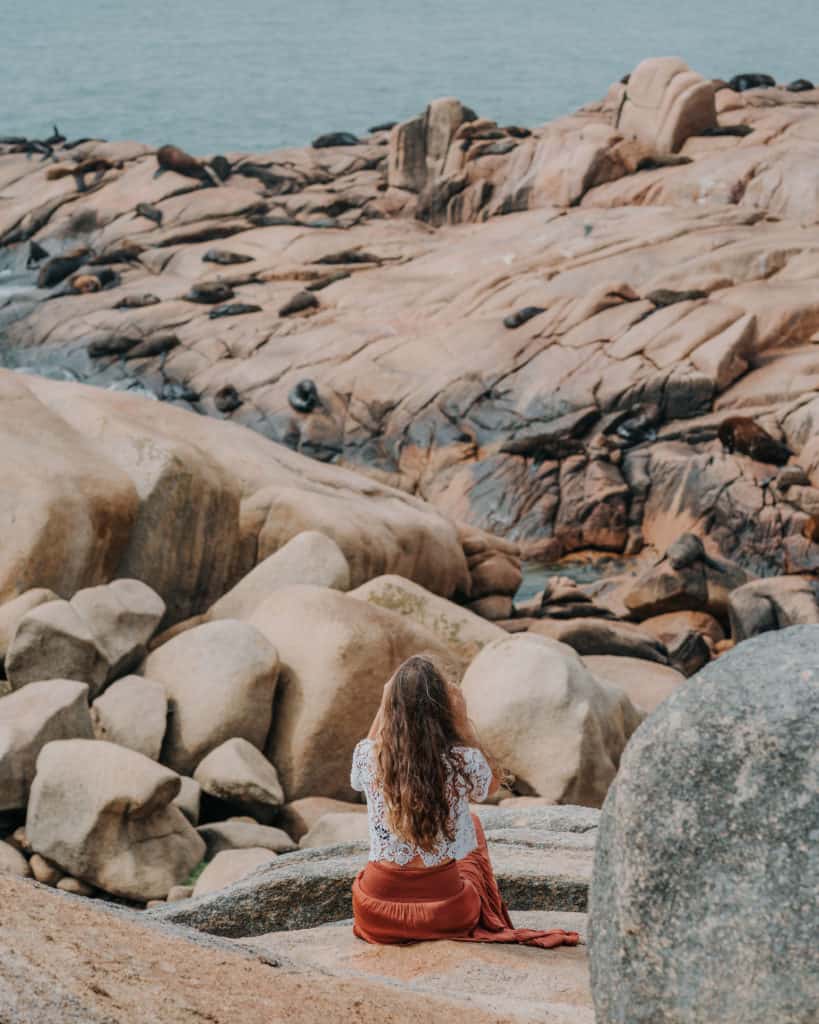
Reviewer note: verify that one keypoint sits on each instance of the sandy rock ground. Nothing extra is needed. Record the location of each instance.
(66, 959)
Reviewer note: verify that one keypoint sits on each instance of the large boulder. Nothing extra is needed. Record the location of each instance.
(72, 510)
(101, 633)
(602, 636)
(645, 683)
(310, 557)
(239, 774)
(333, 829)
(299, 816)
(772, 604)
(133, 712)
(12, 862)
(459, 629)
(703, 897)
(220, 679)
(13, 611)
(665, 103)
(240, 834)
(229, 866)
(547, 719)
(54, 709)
(104, 814)
(336, 654)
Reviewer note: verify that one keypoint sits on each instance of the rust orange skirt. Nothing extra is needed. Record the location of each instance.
(459, 900)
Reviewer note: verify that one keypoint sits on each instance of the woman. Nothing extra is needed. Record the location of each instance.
(429, 874)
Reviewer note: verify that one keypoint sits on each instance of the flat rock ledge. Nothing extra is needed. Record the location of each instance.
(542, 858)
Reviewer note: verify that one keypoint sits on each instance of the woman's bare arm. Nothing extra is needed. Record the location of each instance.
(375, 728)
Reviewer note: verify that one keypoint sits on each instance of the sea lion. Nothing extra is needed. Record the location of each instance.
(800, 85)
(386, 126)
(225, 258)
(150, 213)
(234, 309)
(658, 160)
(742, 434)
(97, 166)
(154, 345)
(640, 426)
(84, 284)
(172, 158)
(227, 399)
(347, 256)
(178, 391)
(300, 303)
(276, 184)
(521, 316)
(751, 80)
(810, 529)
(304, 397)
(222, 166)
(58, 268)
(667, 297)
(324, 282)
(739, 130)
(128, 252)
(335, 139)
(36, 254)
(137, 301)
(209, 292)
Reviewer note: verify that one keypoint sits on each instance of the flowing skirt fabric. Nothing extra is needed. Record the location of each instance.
(459, 900)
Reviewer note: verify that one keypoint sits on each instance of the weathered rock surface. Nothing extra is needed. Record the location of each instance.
(299, 816)
(220, 679)
(773, 604)
(12, 862)
(13, 611)
(335, 829)
(241, 835)
(103, 813)
(675, 289)
(229, 866)
(548, 719)
(96, 952)
(99, 634)
(237, 772)
(460, 630)
(335, 655)
(55, 709)
(132, 713)
(646, 684)
(542, 859)
(309, 558)
(707, 842)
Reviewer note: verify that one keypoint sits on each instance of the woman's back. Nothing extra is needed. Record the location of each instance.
(471, 781)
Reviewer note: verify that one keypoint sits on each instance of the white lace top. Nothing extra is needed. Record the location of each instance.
(386, 846)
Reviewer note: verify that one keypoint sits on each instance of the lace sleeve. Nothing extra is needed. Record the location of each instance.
(479, 774)
(359, 774)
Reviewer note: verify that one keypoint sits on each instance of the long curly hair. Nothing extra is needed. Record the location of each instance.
(416, 756)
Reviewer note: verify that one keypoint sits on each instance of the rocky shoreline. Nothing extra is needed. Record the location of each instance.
(289, 418)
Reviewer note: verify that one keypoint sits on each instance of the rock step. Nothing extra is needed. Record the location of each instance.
(540, 870)
(513, 982)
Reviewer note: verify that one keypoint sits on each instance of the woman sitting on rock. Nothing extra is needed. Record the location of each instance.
(429, 875)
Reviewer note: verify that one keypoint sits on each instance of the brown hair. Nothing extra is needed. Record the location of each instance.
(415, 753)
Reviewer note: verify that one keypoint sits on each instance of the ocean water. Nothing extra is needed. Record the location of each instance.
(220, 75)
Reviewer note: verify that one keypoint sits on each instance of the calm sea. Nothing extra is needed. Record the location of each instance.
(215, 75)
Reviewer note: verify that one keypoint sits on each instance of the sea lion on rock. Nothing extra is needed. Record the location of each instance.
(227, 399)
(96, 166)
(36, 254)
(234, 309)
(221, 165)
(59, 268)
(209, 292)
(387, 126)
(137, 301)
(521, 316)
(300, 303)
(150, 213)
(739, 130)
(335, 139)
(742, 434)
(753, 80)
(667, 297)
(304, 397)
(225, 258)
(84, 284)
(800, 85)
(172, 158)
